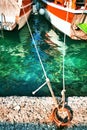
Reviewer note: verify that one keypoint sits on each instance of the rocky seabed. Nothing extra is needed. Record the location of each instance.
(34, 113)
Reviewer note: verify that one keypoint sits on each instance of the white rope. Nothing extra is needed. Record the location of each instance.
(63, 91)
(35, 46)
(39, 88)
(47, 79)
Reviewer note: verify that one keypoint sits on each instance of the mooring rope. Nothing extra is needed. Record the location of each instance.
(47, 79)
(56, 116)
(64, 53)
(35, 46)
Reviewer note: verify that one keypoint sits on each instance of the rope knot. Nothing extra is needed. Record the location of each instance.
(63, 97)
(47, 80)
(63, 92)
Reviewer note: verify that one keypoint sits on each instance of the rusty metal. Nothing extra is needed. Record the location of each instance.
(60, 121)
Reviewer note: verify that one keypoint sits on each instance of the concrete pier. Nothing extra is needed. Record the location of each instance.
(34, 113)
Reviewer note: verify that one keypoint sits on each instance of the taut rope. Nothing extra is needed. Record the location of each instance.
(47, 79)
(64, 53)
(57, 109)
(56, 116)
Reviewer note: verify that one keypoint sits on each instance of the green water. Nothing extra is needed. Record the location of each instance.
(20, 69)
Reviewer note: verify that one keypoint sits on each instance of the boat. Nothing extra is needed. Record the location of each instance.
(14, 13)
(67, 16)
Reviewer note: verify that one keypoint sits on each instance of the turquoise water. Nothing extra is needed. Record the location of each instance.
(20, 69)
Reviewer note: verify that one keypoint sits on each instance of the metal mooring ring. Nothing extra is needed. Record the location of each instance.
(58, 119)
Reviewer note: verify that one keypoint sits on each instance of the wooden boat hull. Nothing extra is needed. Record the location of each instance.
(65, 19)
(14, 13)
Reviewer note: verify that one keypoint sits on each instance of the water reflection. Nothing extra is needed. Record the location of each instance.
(20, 69)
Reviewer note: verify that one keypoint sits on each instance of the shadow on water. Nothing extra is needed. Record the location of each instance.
(20, 69)
(10, 35)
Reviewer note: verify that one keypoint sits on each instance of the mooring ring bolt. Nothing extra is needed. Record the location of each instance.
(58, 116)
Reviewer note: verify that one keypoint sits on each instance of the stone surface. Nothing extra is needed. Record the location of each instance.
(34, 113)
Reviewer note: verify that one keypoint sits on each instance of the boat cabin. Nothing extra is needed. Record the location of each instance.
(73, 4)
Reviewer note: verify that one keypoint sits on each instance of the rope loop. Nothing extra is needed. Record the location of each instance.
(62, 102)
(61, 116)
